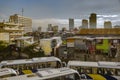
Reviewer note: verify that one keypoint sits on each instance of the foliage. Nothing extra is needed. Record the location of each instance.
(31, 52)
(3, 45)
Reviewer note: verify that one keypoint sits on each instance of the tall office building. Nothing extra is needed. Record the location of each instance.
(39, 29)
(93, 21)
(107, 24)
(84, 23)
(50, 28)
(55, 28)
(25, 21)
(71, 24)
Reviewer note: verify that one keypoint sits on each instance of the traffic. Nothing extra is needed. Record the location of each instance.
(52, 68)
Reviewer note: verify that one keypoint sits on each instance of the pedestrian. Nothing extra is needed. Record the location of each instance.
(113, 50)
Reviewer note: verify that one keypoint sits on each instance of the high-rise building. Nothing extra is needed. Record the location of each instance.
(55, 28)
(93, 21)
(71, 24)
(39, 29)
(25, 21)
(50, 27)
(107, 24)
(84, 23)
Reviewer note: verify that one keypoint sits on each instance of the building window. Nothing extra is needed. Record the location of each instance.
(99, 41)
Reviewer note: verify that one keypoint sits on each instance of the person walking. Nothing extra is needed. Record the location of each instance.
(113, 50)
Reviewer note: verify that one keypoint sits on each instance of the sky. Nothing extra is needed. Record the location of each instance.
(57, 12)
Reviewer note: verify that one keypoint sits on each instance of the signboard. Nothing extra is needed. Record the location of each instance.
(80, 44)
(115, 41)
(70, 42)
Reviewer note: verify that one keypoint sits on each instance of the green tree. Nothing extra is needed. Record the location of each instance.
(31, 52)
(3, 45)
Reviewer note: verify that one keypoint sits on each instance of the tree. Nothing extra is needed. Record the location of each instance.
(3, 45)
(32, 52)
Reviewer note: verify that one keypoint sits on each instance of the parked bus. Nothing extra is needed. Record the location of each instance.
(49, 74)
(7, 72)
(99, 69)
(32, 64)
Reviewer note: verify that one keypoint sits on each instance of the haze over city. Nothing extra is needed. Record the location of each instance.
(57, 12)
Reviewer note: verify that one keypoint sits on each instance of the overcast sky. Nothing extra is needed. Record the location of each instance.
(57, 12)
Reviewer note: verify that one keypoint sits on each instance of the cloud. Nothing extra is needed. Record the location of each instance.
(3, 17)
(108, 16)
(65, 23)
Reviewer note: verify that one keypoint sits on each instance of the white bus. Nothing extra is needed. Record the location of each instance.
(105, 69)
(7, 72)
(49, 74)
(32, 64)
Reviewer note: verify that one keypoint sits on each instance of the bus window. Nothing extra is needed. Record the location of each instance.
(64, 64)
(94, 70)
(99, 71)
(77, 77)
(118, 72)
(3, 66)
(82, 70)
(43, 65)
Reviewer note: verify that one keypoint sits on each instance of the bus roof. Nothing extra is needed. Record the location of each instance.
(33, 60)
(109, 64)
(6, 71)
(51, 73)
(99, 64)
(82, 63)
(45, 74)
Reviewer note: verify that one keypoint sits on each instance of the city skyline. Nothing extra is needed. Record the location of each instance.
(58, 12)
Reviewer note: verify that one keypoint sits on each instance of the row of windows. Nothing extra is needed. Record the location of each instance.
(90, 70)
(32, 66)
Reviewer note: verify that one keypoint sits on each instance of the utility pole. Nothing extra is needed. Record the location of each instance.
(22, 11)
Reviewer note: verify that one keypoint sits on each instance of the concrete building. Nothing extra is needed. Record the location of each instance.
(71, 24)
(50, 27)
(10, 31)
(25, 21)
(93, 21)
(39, 29)
(84, 23)
(116, 26)
(55, 28)
(107, 24)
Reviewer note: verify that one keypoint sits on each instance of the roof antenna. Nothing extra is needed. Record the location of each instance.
(22, 11)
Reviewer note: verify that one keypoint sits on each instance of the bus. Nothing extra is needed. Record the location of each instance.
(100, 69)
(7, 72)
(49, 74)
(32, 64)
